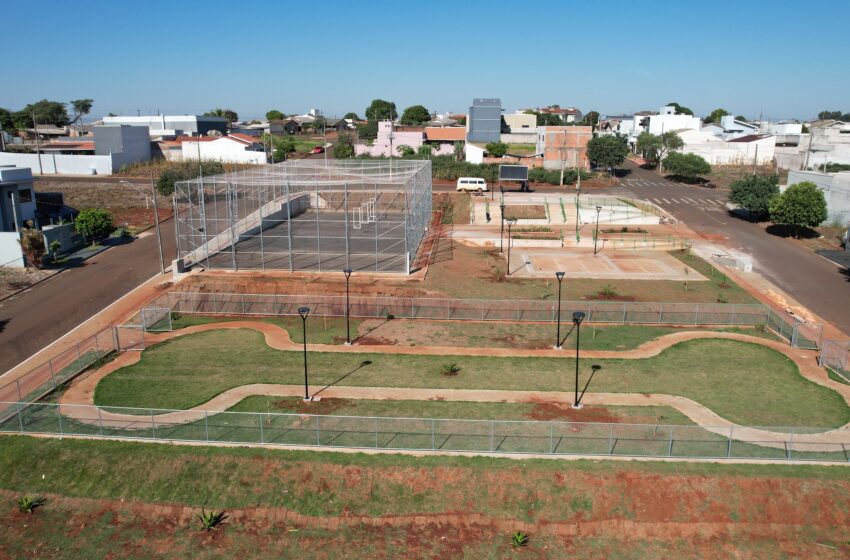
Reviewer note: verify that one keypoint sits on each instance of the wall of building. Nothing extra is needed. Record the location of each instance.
(10, 250)
(485, 121)
(521, 123)
(165, 125)
(519, 137)
(665, 123)
(564, 146)
(381, 145)
(474, 154)
(52, 164)
(718, 151)
(224, 150)
(126, 144)
(835, 188)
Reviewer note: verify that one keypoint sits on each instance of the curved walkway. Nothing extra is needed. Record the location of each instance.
(82, 391)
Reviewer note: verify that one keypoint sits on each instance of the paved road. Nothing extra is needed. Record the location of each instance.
(812, 280)
(36, 317)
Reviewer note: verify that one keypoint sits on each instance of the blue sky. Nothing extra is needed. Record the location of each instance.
(782, 58)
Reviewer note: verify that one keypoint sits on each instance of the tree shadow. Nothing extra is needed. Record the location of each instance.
(622, 172)
(780, 230)
(845, 272)
(363, 364)
(3, 323)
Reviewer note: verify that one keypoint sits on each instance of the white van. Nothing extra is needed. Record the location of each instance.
(467, 184)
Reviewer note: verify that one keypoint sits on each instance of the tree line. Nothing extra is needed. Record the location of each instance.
(45, 112)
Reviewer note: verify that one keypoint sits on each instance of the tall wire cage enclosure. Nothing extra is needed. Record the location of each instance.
(306, 215)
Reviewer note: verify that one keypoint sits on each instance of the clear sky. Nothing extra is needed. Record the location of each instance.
(783, 58)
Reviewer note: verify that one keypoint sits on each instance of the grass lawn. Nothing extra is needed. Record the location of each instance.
(320, 330)
(471, 273)
(745, 383)
(525, 212)
(462, 410)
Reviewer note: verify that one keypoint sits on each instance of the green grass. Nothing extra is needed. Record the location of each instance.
(448, 409)
(836, 377)
(320, 330)
(745, 383)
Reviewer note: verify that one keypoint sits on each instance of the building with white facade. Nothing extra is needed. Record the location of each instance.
(759, 148)
(665, 121)
(17, 206)
(389, 138)
(233, 148)
(173, 125)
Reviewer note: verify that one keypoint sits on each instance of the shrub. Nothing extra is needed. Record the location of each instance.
(183, 170)
(496, 149)
(211, 519)
(801, 205)
(28, 504)
(55, 245)
(519, 539)
(94, 224)
(32, 245)
(754, 194)
(686, 166)
(450, 369)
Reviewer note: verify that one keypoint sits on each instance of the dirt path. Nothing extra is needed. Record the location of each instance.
(82, 391)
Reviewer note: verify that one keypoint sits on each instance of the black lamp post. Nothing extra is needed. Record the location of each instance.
(596, 235)
(560, 277)
(347, 272)
(303, 312)
(578, 317)
(502, 219)
(578, 210)
(511, 222)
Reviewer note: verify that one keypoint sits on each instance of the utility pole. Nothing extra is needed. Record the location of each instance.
(158, 232)
(37, 147)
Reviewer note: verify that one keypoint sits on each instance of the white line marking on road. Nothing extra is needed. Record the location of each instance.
(665, 200)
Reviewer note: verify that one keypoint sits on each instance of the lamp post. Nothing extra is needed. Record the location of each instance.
(511, 222)
(303, 312)
(502, 224)
(347, 272)
(578, 317)
(560, 277)
(578, 211)
(596, 234)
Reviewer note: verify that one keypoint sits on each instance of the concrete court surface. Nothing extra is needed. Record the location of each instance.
(582, 263)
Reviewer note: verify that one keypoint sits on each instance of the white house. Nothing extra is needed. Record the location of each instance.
(17, 206)
(233, 148)
(719, 151)
(172, 125)
(474, 153)
(666, 121)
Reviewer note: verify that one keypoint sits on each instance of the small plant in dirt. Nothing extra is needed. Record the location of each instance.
(450, 370)
(519, 539)
(55, 245)
(722, 299)
(608, 291)
(499, 275)
(28, 504)
(723, 283)
(211, 519)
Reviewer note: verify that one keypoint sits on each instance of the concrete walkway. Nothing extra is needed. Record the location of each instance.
(77, 402)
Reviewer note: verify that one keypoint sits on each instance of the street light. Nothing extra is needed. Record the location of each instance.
(511, 222)
(502, 220)
(303, 312)
(596, 235)
(578, 317)
(347, 272)
(578, 211)
(155, 217)
(560, 277)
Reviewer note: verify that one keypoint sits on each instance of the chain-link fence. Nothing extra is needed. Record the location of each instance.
(150, 319)
(835, 354)
(467, 309)
(429, 434)
(306, 215)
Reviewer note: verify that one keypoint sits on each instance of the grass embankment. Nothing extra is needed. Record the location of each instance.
(745, 383)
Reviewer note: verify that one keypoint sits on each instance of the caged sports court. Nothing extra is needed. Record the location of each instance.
(306, 215)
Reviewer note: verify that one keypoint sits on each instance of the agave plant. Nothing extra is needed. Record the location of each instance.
(519, 539)
(450, 369)
(211, 519)
(28, 504)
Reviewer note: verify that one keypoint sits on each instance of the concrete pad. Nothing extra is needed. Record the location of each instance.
(582, 263)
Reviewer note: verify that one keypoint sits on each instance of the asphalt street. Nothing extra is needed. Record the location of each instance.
(812, 280)
(34, 318)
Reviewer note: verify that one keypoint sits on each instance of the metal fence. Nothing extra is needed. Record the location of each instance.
(150, 319)
(306, 215)
(50, 374)
(835, 354)
(425, 434)
(797, 333)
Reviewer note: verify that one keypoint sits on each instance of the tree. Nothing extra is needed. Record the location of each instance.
(405, 151)
(715, 116)
(680, 110)
(829, 115)
(367, 130)
(496, 149)
(94, 224)
(754, 194)
(229, 114)
(425, 150)
(344, 148)
(275, 115)
(32, 245)
(319, 124)
(607, 151)
(591, 119)
(381, 110)
(352, 116)
(741, 118)
(46, 112)
(280, 147)
(415, 115)
(6, 121)
(649, 147)
(670, 141)
(458, 150)
(461, 121)
(686, 166)
(801, 205)
(81, 107)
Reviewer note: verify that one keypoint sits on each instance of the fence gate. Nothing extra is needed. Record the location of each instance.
(127, 339)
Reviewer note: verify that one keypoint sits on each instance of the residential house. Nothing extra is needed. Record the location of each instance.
(716, 150)
(564, 146)
(665, 121)
(390, 137)
(442, 138)
(232, 148)
(280, 127)
(171, 126)
(17, 206)
(521, 129)
(566, 114)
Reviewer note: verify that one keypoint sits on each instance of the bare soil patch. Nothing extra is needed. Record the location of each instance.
(15, 279)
